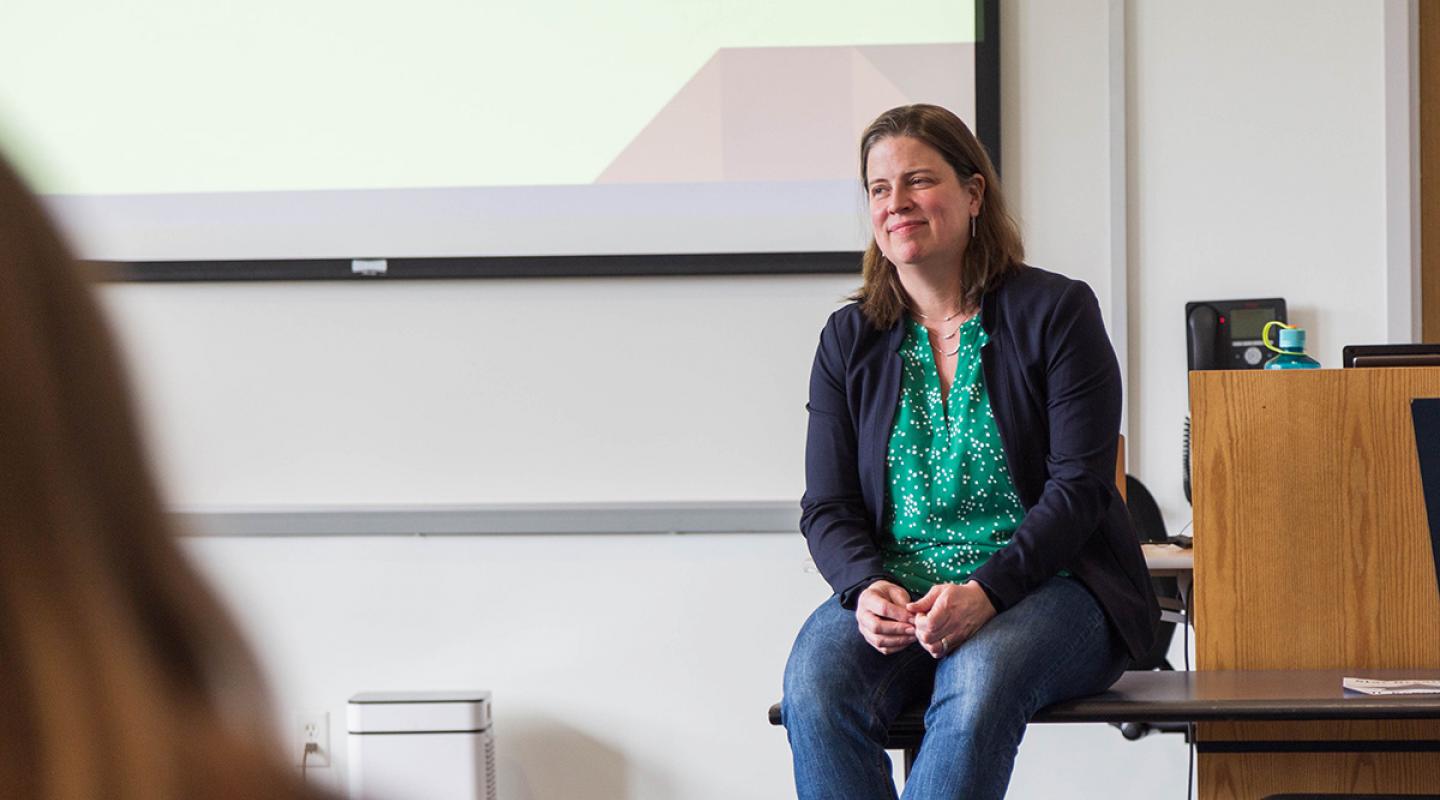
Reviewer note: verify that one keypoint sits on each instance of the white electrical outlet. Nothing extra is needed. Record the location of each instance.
(311, 727)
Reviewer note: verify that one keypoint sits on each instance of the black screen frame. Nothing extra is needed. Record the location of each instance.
(987, 113)
(1390, 355)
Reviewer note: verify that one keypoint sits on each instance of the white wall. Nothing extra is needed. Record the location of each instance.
(1056, 128)
(1257, 170)
(621, 666)
(639, 667)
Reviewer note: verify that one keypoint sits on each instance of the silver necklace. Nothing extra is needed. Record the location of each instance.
(948, 336)
(947, 319)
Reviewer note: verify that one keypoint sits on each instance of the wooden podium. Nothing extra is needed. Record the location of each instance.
(1312, 551)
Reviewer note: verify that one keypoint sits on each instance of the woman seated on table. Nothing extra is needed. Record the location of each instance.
(120, 675)
(960, 495)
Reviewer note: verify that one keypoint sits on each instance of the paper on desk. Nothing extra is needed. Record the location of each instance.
(1372, 686)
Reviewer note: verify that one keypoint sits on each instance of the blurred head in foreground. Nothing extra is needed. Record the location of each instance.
(120, 674)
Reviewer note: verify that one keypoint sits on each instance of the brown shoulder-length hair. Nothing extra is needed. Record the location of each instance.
(120, 674)
(995, 250)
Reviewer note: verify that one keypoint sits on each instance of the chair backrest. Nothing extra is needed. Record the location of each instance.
(1144, 511)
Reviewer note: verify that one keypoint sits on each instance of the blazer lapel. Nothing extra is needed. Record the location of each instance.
(887, 397)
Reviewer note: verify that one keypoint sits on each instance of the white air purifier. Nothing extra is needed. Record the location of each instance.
(421, 746)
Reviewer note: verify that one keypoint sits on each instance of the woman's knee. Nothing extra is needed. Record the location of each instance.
(976, 695)
(855, 695)
(1021, 662)
(827, 671)
(816, 676)
(810, 694)
(982, 700)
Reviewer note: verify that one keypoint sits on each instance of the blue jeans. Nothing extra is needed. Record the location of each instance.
(841, 694)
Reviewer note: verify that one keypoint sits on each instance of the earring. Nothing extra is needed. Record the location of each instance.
(972, 226)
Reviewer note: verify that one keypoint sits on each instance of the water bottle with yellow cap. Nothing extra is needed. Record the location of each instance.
(1291, 352)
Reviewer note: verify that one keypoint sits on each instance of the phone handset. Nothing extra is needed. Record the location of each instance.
(1204, 325)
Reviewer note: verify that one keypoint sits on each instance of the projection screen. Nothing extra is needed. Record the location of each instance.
(287, 139)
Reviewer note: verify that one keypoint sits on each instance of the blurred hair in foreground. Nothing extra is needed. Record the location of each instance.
(120, 674)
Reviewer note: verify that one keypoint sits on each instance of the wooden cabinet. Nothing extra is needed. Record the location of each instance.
(1312, 551)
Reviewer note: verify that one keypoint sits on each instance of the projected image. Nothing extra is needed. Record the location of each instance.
(787, 113)
(314, 129)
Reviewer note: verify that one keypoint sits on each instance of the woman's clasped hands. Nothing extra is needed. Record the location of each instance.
(940, 621)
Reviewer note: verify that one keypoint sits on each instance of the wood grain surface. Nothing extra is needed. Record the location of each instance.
(1312, 551)
(1250, 776)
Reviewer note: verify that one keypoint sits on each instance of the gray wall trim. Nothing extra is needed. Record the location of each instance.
(482, 520)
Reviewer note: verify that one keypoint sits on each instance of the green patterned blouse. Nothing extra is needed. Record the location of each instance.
(950, 501)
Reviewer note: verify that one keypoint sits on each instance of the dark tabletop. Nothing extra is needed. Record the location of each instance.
(1213, 696)
(1246, 695)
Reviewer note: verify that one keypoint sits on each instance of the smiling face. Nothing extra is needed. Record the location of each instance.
(920, 209)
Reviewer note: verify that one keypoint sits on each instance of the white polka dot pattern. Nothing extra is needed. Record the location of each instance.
(951, 503)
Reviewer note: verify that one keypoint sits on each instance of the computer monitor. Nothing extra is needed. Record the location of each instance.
(1425, 413)
(1391, 355)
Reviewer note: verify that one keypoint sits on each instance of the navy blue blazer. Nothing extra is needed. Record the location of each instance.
(1055, 391)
